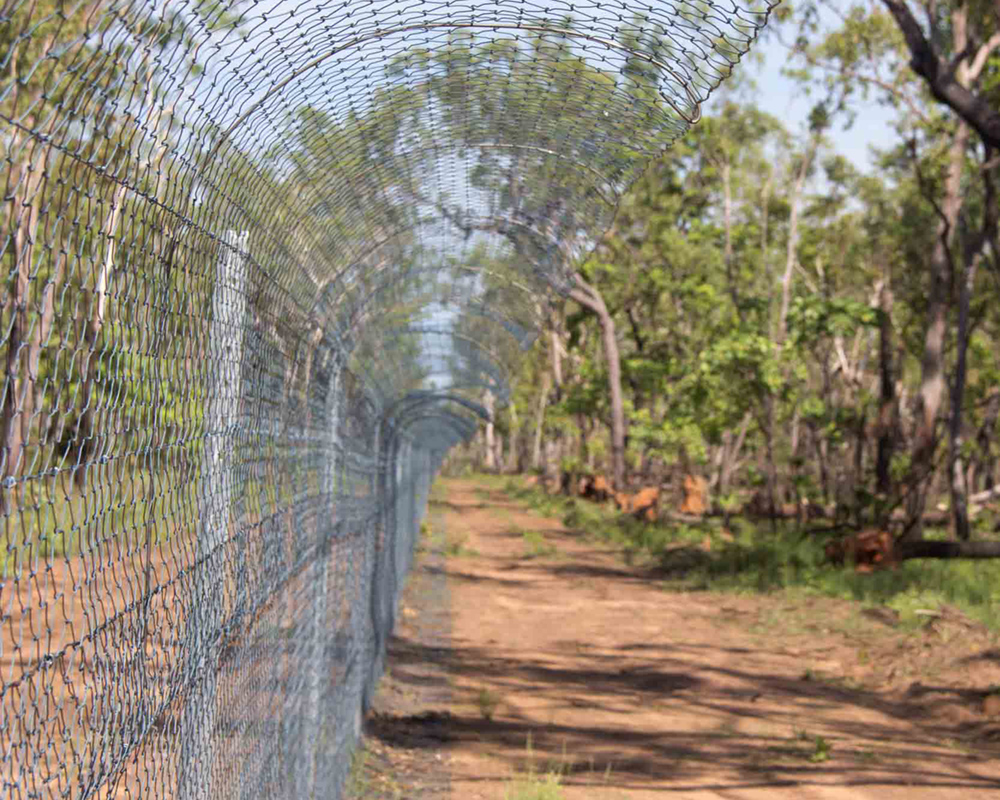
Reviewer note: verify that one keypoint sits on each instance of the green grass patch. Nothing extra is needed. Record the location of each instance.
(55, 519)
(358, 784)
(533, 784)
(535, 545)
(489, 480)
(457, 548)
(438, 493)
(757, 558)
(760, 560)
(487, 702)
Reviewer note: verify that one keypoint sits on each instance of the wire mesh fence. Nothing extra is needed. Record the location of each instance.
(264, 264)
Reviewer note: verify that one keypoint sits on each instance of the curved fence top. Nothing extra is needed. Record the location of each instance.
(391, 162)
(264, 263)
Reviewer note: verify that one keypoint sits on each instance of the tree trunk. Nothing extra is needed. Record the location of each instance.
(590, 298)
(821, 443)
(543, 398)
(959, 489)
(888, 410)
(556, 354)
(498, 453)
(951, 81)
(793, 233)
(489, 454)
(727, 221)
(986, 496)
(984, 439)
(858, 467)
(765, 199)
(23, 189)
(932, 379)
(771, 465)
(786, 292)
(513, 442)
(88, 366)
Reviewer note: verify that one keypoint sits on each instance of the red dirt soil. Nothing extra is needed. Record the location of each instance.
(630, 691)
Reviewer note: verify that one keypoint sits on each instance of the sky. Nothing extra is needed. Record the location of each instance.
(777, 94)
(785, 99)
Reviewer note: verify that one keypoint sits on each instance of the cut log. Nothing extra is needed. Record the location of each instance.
(867, 550)
(695, 495)
(645, 503)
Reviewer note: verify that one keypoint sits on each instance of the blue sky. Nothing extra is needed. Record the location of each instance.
(776, 94)
(786, 100)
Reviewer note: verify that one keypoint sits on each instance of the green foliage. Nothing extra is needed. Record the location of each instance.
(487, 701)
(821, 751)
(820, 747)
(811, 319)
(692, 272)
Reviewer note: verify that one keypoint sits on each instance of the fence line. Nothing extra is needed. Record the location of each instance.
(264, 263)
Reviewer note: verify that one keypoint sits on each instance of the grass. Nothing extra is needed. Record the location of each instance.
(821, 751)
(55, 522)
(535, 545)
(358, 783)
(128, 510)
(438, 493)
(801, 744)
(753, 558)
(547, 783)
(487, 702)
(456, 547)
(365, 782)
(534, 785)
(867, 756)
(491, 481)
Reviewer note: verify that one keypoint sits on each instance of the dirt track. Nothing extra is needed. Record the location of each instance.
(630, 691)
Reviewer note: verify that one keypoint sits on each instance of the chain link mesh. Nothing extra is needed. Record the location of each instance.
(263, 264)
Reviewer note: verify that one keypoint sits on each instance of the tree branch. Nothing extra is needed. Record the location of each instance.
(940, 78)
(640, 341)
(585, 295)
(849, 72)
(985, 51)
(928, 192)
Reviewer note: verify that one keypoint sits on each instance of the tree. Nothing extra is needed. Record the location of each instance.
(949, 62)
(961, 73)
(544, 206)
(62, 130)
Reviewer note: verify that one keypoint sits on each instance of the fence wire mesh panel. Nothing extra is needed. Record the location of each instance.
(264, 264)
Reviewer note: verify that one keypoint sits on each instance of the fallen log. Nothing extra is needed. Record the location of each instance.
(984, 497)
(936, 549)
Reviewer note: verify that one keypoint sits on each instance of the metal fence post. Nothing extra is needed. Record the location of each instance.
(376, 636)
(204, 621)
(318, 668)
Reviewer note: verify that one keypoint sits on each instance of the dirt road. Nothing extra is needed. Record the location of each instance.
(562, 664)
